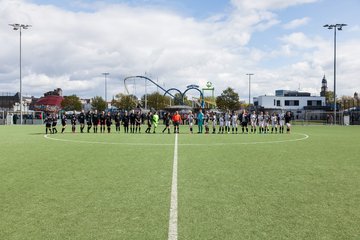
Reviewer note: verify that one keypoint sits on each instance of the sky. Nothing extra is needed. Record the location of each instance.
(178, 43)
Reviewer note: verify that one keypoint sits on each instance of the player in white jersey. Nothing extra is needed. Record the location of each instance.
(253, 119)
(221, 123)
(190, 119)
(234, 124)
(267, 119)
(214, 122)
(227, 122)
(261, 122)
(274, 122)
(281, 121)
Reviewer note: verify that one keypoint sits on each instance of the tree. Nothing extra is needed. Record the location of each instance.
(228, 100)
(329, 97)
(348, 101)
(156, 100)
(98, 103)
(71, 103)
(125, 102)
(178, 99)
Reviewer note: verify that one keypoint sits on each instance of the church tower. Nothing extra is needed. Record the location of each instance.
(324, 87)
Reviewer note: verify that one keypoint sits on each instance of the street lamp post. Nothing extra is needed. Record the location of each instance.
(249, 74)
(337, 26)
(105, 75)
(17, 26)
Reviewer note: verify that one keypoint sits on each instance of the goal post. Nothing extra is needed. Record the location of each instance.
(323, 118)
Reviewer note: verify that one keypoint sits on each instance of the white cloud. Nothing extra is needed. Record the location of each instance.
(297, 23)
(71, 49)
(301, 41)
(269, 4)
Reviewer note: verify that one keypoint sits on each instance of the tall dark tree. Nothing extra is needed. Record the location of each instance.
(98, 103)
(71, 103)
(329, 97)
(178, 99)
(228, 100)
(125, 102)
(156, 100)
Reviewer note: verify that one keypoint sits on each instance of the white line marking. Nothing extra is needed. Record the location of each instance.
(173, 219)
(108, 143)
(304, 137)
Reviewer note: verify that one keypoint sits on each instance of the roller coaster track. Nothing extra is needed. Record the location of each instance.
(190, 87)
(147, 79)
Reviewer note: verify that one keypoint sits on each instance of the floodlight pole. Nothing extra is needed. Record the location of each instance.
(105, 75)
(249, 74)
(337, 26)
(17, 26)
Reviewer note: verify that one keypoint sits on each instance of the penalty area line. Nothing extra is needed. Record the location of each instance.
(173, 219)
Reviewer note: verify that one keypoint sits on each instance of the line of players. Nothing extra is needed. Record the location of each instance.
(228, 122)
(99, 121)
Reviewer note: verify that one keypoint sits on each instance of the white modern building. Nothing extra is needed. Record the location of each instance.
(301, 104)
(291, 100)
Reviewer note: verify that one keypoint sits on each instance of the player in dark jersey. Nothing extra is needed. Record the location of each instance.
(149, 122)
(126, 120)
(244, 119)
(88, 118)
(138, 122)
(132, 117)
(95, 121)
(117, 119)
(108, 121)
(287, 121)
(63, 122)
(81, 119)
(73, 122)
(54, 123)
(48, 121)
(167, 120)
(206, 122)
(102, 119)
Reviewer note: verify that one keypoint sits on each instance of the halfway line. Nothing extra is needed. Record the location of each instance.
(173, 219)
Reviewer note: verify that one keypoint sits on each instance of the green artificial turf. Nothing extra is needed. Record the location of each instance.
(230, 186)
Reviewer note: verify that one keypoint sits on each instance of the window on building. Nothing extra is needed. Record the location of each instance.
(278, 103)
(296, 103)
(309, 103)
(287, 103)
(318, 103)
(274, 102)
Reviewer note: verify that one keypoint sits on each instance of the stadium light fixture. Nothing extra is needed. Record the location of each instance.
(250, 74)
(337, 26)
(105, 75)
(17, 26)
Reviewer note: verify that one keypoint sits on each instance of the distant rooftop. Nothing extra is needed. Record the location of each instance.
(289, 93)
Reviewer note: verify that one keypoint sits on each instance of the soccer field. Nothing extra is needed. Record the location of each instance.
(303, 185)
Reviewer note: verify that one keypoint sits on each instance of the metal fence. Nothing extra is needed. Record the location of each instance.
(29, 118)
(327, 118)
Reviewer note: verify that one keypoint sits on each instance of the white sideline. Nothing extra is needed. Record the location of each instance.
(173, 219)
(304, 137)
